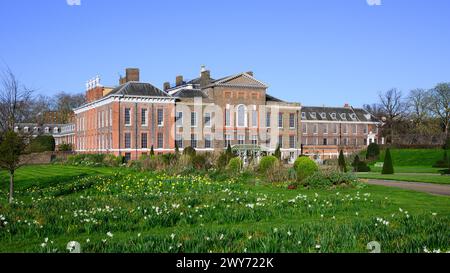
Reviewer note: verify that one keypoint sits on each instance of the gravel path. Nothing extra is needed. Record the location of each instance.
(415, 186)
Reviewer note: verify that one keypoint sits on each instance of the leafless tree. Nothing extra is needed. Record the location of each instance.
(440, 105)
(375, 109)
(418, 105)
(393, 107)
(65, 103)
(14, 100)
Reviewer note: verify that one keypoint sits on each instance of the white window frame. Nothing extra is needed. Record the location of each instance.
(208, 124)
(241, 106)
(144, 115)
(125, 116)
(179, 119)
(195, 123)
(158, 111)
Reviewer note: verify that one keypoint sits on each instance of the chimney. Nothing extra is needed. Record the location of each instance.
(347, 105)
(131, 75)
(166, 86)
(179, 80)
(250, 73)
(205, 78)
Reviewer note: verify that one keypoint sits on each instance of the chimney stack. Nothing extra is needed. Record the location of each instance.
(132, 75)
(166, 86)
(347, 105)
(205, 77)
(179, 80)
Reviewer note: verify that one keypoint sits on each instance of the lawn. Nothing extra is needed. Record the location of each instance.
(109, 210)
(414, 157)
(408, 177)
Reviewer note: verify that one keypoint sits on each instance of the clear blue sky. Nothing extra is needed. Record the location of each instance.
(310, 51)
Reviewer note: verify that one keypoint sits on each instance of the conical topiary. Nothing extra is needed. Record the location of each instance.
(341, 162)
(356, 163)
(277, 153)
(152, 151)
(388, 167)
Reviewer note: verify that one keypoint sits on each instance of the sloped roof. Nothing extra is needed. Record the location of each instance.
(227, 80)
(272, 98)
(138, 89)
(189, 93)
(344, 114)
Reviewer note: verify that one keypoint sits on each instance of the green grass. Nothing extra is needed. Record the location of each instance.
(409, 169)
(408, 177)
(42, 176)
(414, 157)
(196, 214)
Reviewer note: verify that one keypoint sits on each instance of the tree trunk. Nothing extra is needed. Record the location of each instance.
(11, 187)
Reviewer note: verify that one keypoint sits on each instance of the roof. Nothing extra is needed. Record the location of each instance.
(347, 114)
(271, 98)
(189, 93)
(138, 89)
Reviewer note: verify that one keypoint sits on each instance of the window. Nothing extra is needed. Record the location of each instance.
(345, 128)
(241, 139)
(127, 116)
(227, 117)
(241, 116)
(335, 129)
(227, 140)
(208, 119)
(110, 117)
(345, 141)
(292, 142)
(208, 143)
(254, 118)
(160, 141)
(343, 116)
(179, 119)
(193, 119)
(323, 115)
(127, 141)
(280, 120)
(179, 141)
(366, 129)
(268, 116)
(333, 115)
(303, 115)
(254, 140)
(193, 140)
(336, 142)
(144, 117)
(315, 129)
(365, 142)
(280, 141)
(354, 129)
(103, 119)
(325, 128)
(313, 115)
(305, 128)
(144, 141)
(325, 142)
(160, 117)
(292, 121)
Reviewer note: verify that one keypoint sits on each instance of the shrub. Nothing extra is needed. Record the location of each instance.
(373, 151)
(268, 163)
(189, 151)
(235, 165)
(93, 160)
(388, 167)
(200, 161)
(305, 167)
(341, 162)
(330, 179)
(152, 151)
(42, 144)
(443, 163)
(65, 147)
(360, 166)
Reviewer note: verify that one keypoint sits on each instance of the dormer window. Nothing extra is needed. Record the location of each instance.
(353, 116)
(323, 115)
(26, 129)
(313, 115)
(333, 115)
(303, 115)
(343, 116)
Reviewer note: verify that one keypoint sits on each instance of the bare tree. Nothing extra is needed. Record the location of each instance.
(65, 103)
(440, 105)
(418, 105)
(393, 107)
(14, 99)
(375, 109)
